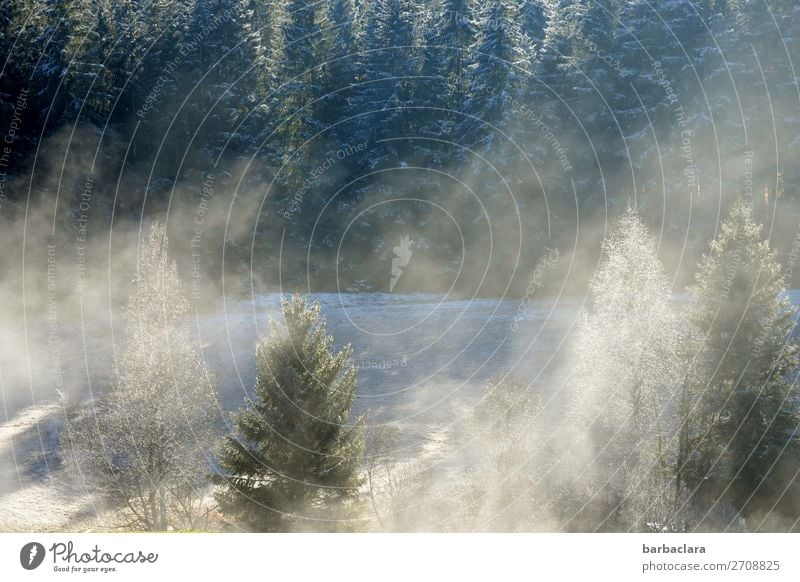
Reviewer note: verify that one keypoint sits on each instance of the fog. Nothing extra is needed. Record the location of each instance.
(459, 265)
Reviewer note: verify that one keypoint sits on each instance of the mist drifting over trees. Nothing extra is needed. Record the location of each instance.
(399, 265)
(145, 443)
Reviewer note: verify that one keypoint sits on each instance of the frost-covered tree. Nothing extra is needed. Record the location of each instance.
(400, 489)
(508, 418)
(626, 368)
(493, 79)
(481, 479)
(88, 77)
(449, 34)
(340, 64)
(300, 78)
(295, 455)
(387, 86)
(747, 404)
(534, 21)
(146, 442)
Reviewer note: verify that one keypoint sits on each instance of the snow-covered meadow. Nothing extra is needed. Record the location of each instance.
(422, 361)
(423, 364)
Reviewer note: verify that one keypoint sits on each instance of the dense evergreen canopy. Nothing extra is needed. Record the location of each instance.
(307, 112)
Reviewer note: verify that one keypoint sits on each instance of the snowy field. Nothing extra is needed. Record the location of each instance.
(422, 364)
(415, 353)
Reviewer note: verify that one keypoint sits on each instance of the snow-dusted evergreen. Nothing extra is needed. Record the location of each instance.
(746, 408)
(493, 78)
(489, 133)
(294, 460)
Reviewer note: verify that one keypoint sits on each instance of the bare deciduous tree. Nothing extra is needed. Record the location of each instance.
(144, 444)
(622, 411)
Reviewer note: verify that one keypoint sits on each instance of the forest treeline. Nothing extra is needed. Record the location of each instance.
(308, 118)
(668, 417)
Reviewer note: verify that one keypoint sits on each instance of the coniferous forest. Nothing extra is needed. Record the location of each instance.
(400, 265)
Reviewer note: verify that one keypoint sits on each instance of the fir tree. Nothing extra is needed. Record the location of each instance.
(300, 79)
(534, 21)
(493, 79)
(386, 84)
(747, 403)
(219, 74)
(341, 62)
(88, 79)
(449, 35)
(295, 456)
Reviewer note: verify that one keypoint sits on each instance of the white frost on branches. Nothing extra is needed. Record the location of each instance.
(146, 443)
(626, 368)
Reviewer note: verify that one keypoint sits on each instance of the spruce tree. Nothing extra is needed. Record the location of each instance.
(449, 35)
(295, 455)
(340, 65)
(298, 113)
(88, 79)
(300, 79)
(219, 74)
(387, 86)
(747, 411)
(534, 21)
(494, 80)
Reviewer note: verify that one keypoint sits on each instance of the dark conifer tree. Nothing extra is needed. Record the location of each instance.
(493, 79)
(747, 403)
(295, 454)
